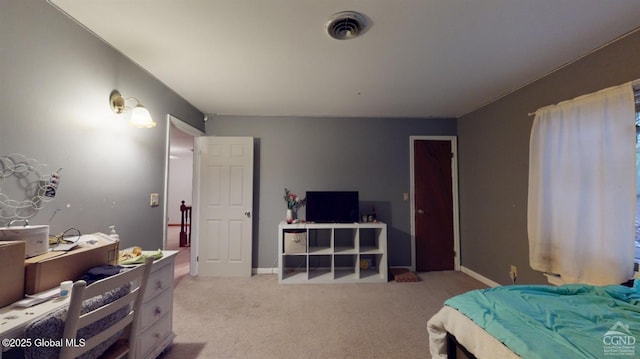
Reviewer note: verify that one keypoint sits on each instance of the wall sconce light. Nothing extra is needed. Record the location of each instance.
(140, 116)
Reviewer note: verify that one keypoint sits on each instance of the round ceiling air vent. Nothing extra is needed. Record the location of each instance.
(346, 25)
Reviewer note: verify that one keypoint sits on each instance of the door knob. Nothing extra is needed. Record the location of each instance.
(420, 211)
(248, 214)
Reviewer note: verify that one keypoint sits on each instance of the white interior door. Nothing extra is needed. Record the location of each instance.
(225, 187)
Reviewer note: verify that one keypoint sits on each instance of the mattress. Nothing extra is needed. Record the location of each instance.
(571, 321)
(475, 339)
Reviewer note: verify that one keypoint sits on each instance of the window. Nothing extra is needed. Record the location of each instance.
(580, 203)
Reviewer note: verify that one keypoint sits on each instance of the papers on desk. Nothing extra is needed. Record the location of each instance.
(38, 298)
(63, 247)
(82, 240)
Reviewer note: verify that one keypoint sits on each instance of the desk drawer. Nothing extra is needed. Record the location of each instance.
(156, 338)
(159, 280)
(156, 309)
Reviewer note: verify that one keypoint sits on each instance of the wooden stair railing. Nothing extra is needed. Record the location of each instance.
(185, 225)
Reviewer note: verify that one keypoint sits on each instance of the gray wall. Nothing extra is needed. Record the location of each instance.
(369, 155)
(493, 144)
(55, 80)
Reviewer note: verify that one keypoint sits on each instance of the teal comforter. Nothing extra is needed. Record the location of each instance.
(570, 321)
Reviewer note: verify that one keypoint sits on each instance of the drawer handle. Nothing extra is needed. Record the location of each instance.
(158, 311)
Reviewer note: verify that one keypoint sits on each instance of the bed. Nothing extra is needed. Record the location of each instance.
(539, 321)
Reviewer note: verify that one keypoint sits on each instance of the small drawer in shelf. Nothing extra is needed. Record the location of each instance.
(295, 242)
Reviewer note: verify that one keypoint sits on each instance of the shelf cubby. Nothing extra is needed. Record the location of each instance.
(319, 240)
(345, 266)
(294, 266)
(320, 267)
(370, 269)
(369, 239)
(344, 240)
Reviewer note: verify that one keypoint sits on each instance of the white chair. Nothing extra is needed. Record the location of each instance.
(108, 319)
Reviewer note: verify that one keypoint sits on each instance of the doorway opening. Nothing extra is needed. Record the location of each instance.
(179, 191)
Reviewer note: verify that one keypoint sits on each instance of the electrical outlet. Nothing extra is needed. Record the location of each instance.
(514, 270)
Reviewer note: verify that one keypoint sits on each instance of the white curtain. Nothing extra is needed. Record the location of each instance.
(582, 193)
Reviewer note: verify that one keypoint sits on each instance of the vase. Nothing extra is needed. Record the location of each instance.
(289, 215)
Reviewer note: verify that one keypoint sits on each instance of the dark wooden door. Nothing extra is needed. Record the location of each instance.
(433, 205)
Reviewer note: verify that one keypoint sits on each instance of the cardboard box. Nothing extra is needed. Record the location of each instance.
(11, 271)
(46, 271)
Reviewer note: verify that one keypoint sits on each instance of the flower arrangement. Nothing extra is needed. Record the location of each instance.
(293, 201)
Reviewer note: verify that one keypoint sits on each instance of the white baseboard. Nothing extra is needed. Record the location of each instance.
(264, 270)
(479, 277)
(463, 269)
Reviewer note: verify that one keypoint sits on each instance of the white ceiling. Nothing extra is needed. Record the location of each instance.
(418, 58)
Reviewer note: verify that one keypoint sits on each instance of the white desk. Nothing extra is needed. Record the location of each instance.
(14, 319)
(157, 329)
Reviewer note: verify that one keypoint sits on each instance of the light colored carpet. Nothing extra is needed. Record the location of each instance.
(258, 318)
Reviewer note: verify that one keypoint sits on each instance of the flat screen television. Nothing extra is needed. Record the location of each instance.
(332, 206)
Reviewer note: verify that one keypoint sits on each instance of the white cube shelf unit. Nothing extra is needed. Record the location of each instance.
(332, 253)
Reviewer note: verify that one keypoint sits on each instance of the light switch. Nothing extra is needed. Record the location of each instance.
(405, 196)
(154, 200)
